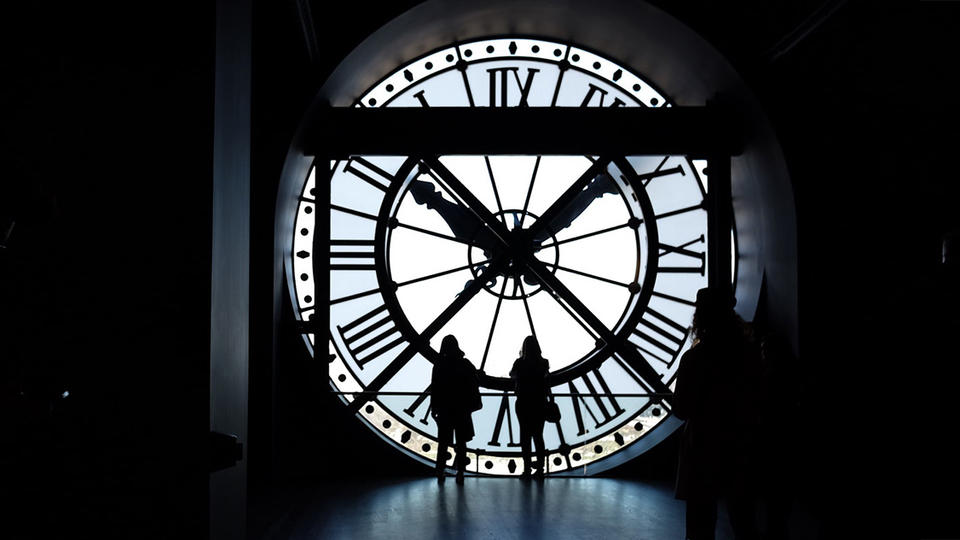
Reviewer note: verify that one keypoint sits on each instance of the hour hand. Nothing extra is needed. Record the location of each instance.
(601, 185)
(463, 224)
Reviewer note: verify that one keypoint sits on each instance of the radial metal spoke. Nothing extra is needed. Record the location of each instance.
(372, 217)
(526, 202)
(587, 274)
(353, 212)
(526, 306)
(443, 273)
(496, 314)
(496, 192)
(588, 235)
(438, 235)
(354, 296)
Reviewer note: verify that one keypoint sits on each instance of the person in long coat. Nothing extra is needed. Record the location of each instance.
(454, 395)
(715, 384)
(530, 378)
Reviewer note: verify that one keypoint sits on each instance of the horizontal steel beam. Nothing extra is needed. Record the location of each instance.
(502, 393)
(339, 132)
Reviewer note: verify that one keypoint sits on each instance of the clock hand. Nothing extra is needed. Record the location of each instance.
(462, 223)
(602, 184)
(493, 236)
(493, 225)
(591, 185)
(558, 210)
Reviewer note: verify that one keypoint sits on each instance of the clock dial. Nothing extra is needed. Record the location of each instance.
(599, 257)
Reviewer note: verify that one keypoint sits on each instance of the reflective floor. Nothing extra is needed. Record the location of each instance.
(583, 508)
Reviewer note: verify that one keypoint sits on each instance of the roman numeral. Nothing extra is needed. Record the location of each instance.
(412, 409)
(501, 90)
(369, 173)
(699, 257)
(595, 90)
(659, 336)
(606, 414)
(358, 252)
(375, 322)
(421, 98)
(504, 413)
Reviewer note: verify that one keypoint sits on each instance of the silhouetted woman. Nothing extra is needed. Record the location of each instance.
(454, 395)
(715, 385)
(530, 378)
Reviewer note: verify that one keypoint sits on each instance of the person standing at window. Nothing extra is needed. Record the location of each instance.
(716, 384)
(454, 395)
(530, 378)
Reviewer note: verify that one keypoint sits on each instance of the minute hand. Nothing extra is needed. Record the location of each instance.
(580, 195)
(602, 184)
(542, 227)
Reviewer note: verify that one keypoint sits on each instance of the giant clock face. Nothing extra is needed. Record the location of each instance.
(599, 258)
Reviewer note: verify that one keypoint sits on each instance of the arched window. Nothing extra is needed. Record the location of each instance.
(598, 253)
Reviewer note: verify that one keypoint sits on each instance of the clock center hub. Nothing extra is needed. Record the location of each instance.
(517, 282)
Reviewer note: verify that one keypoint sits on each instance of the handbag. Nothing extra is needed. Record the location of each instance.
(552, 412)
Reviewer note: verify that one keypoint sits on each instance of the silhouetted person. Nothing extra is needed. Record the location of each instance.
(530, 378)
(715, 382)
(454, 395)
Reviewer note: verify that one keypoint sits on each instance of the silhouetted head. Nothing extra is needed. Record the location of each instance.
(722, 298)
(531, 348)
(714, 308)
(450, 348)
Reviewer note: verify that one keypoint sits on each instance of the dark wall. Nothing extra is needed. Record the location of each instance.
(297, 429)
(106, 141)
